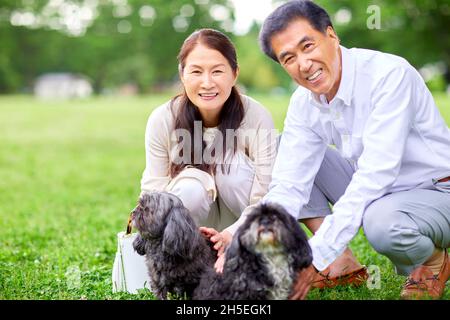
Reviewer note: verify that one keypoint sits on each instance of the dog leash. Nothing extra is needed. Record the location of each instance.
(129, 226)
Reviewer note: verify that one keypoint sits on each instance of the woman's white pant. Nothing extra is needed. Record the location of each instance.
(215, 201)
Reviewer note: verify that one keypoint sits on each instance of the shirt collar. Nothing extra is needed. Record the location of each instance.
(345, 91)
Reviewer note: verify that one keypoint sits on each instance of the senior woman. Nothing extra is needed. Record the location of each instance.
(211, 146)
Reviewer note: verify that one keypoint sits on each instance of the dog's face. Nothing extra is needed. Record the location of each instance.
(267, 227)
(263, 232)
(151, 214)
(162, 220)
(270, 230)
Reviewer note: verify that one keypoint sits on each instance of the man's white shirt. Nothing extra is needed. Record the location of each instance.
(383, 119)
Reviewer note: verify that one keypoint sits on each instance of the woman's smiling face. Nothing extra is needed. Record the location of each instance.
(208, 80)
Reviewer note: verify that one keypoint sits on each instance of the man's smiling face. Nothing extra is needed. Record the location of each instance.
(310, 57)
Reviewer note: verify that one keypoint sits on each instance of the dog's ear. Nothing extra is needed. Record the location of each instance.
(296, 243)
(302, 256)
(139, 245)
(181, 236)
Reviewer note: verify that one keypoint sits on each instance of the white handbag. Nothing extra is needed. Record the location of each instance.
(129, 270)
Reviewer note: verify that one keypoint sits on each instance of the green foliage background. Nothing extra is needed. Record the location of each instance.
(146, 56)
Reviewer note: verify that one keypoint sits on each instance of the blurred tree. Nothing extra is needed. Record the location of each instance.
(136, 41)
(111, 41)
(10, 78)
(417, 30)
(257, 71)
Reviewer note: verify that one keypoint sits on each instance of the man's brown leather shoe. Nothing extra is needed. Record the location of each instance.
(421, 283)
(355, 278)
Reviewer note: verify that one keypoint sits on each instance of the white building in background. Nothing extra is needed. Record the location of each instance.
(62, 86)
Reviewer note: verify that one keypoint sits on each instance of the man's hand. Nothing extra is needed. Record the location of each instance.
(221, 240)
(303, 283)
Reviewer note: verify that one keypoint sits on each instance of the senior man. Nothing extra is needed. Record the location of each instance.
(391, 171)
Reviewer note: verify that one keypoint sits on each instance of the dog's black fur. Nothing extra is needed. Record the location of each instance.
(263, 260)
(177, 255)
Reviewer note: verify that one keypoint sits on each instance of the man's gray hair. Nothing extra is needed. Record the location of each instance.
(281, 17)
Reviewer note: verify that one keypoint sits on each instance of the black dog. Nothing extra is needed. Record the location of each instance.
(263, 260)
(177, 255)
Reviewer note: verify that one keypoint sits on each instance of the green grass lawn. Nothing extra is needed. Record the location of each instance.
(70, 174)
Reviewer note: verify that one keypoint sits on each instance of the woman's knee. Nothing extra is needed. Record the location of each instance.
(235, 184)
(194, 197)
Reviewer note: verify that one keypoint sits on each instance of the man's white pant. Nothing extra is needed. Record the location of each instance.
(404, 226)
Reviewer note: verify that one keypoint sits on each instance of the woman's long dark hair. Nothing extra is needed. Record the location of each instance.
(232, 113)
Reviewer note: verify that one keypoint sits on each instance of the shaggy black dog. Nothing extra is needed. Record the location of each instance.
(176, 253)
(263, 259)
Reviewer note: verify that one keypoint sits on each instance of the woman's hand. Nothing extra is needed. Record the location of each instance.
(218, 266)
(221, 240)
